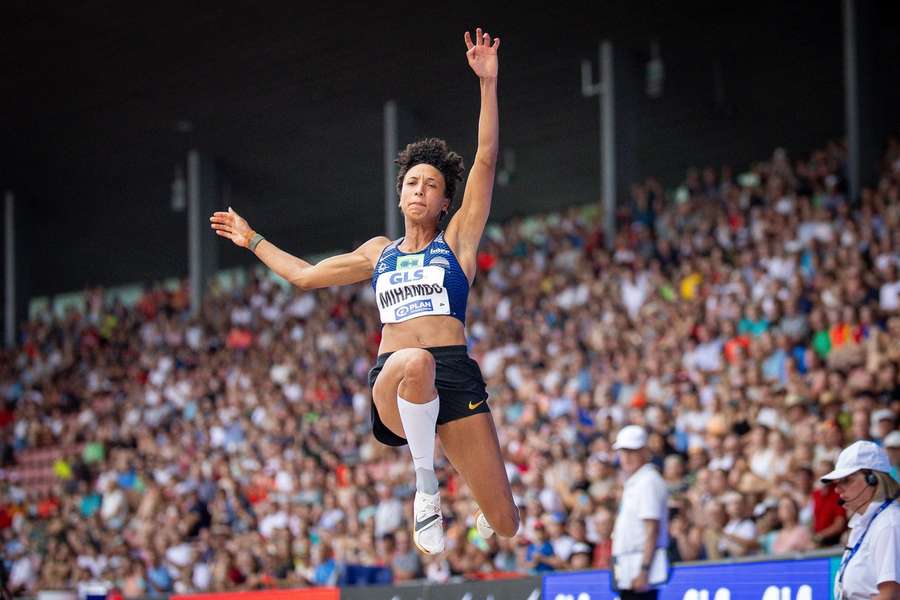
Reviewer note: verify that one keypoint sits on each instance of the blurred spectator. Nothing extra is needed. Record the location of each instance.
(580, 559)
(829, 518)
(603, 527)
(540, 558)
(892, 447)
(792, 536)
(406, 563)
(739, 534)
(765, 517)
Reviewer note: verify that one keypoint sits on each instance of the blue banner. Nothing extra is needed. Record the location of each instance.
(806, 579)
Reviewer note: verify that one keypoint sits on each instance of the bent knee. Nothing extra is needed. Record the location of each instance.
(418, 365)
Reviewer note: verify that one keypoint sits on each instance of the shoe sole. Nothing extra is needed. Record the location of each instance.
(423, 550)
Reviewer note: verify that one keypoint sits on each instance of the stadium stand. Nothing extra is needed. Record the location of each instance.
(751, 323)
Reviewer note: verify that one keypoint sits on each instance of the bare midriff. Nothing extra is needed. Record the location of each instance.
(422, 332)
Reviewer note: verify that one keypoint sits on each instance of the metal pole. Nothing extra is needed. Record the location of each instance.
(604, 90)
(607, 142)
(851, 99)
(9, 317)
(391, 216)
(194, 267)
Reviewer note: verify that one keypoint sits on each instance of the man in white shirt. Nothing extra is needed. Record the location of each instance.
(640, 536)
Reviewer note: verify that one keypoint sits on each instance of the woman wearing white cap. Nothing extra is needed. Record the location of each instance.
(870, 566)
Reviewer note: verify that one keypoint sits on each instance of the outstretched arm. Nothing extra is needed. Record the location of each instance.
(465, 229)
(342, 269)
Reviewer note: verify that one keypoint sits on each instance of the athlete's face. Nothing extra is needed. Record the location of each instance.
(422, 197)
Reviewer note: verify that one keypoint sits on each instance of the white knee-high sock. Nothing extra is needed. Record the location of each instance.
(419, 422)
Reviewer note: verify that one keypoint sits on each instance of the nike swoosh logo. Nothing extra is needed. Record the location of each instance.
(423, 524)
(473, 406)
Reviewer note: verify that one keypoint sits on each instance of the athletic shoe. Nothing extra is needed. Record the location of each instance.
(428, 523)
(482, 526)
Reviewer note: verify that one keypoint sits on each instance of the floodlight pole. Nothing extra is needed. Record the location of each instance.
(851, 98)
(9, 314)
(204, 196)
(391, 135)
(194, 232)
(604, 90)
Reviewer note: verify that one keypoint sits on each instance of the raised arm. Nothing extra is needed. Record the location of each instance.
(342, 269)
(465, 229)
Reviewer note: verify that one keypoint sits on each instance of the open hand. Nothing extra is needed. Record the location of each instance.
(482, 54)
(232, 226)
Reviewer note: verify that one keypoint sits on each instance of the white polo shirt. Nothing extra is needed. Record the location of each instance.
(644, 497)
(878, 557)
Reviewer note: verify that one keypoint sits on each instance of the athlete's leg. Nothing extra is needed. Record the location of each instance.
(408, 405)
(472, 447)
(408, 373)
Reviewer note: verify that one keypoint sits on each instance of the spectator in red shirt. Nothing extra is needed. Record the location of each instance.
(6, 516)
(829, 517)
(603, 522)
(6, 416)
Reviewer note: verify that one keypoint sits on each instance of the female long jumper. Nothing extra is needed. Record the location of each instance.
(424, 383)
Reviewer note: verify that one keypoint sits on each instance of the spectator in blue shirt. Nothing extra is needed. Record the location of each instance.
(539, 557)
(159, 579)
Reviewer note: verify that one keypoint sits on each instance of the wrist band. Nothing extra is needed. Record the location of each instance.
(254, 242)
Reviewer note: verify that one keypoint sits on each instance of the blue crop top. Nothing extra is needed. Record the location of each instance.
(424, 283)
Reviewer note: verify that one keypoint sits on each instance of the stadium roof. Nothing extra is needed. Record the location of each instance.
(99, 100)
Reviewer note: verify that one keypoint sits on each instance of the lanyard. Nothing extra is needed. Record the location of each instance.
(859, 542)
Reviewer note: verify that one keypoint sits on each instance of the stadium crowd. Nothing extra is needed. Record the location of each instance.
(751, 323)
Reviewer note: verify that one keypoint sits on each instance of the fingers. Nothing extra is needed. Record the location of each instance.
(227, 234)
(221, 217)
(482, 38)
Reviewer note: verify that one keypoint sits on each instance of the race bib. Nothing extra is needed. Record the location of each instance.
(416, 292)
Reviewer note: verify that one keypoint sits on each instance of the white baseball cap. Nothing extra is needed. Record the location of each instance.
(883, 414)
(892, 440)
(580, 548)
(858, 456)
(631, 437)
(878, 416)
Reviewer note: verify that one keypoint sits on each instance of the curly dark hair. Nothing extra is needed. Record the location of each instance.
(434, 152)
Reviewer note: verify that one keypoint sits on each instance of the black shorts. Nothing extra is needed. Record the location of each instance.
(459, 383)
